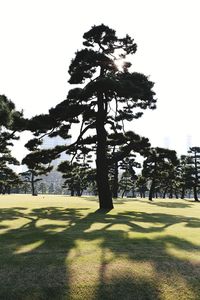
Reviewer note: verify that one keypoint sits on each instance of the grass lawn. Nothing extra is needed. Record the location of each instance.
(57, 247)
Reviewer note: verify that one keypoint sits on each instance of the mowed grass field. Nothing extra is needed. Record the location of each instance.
(58, 247)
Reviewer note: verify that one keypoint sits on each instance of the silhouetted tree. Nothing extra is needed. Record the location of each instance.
(25, 188)
(126, 184)
(122, 149)
(109, 96)
(92, 182)
(11, 122)
(129, 177)
(155, 164)
(184, 175)
(8, 179)
(35, 167)
(194, 162)
(75, 175)
(30, 176)
(169, 181)
(141, 185)
(42, 188)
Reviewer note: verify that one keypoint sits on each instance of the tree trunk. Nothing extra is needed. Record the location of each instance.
(78, 192)
(153, 183)
(4, 190)
(123, 193)
(196, 178)
(151, 192)
(165, 192)
(183, 193)
(115, 183)
(171, 194)
(195, 193)
(32, 184)
(8, 190)
(104, 192)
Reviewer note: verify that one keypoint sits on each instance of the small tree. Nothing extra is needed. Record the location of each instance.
(185, 174)
(11, 122)
(25, 188)
(42, 188)
(35, 167)
(76, 174)
(129, 177)
(169, 181)
(8, 179)
(194, 163)
(155, 164)
(30, 177)
(122, 152)
(141, 185)
(51, 189)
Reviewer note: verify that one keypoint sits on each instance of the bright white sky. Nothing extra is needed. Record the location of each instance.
(39, 39)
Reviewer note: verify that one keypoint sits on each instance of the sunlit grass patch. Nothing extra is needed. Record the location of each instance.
(28, 248)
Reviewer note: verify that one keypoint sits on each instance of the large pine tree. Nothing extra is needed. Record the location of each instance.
(109, 98)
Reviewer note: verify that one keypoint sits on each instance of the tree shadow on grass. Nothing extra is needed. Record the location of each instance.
(115, 200)
(36, 262)
(151, 251)
(33, 256)
(171, 204)
(126, 287)
(11, 213)
(164, 203)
